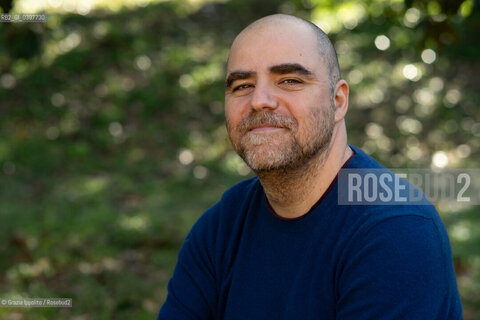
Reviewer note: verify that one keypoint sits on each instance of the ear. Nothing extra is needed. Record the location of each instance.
(341, 100)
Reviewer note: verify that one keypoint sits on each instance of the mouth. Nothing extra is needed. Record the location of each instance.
(266, 127)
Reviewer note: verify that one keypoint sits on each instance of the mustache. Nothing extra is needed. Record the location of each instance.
(266, 118)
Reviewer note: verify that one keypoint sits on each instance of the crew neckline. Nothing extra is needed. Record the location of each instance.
(327, 191)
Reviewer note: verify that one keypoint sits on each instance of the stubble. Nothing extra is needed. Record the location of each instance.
(286, 150)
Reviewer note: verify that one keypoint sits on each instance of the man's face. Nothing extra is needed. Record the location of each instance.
(277, 102)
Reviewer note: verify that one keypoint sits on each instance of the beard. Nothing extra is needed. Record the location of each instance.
(286, 149)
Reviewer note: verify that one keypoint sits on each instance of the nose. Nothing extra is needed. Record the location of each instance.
(262, 98)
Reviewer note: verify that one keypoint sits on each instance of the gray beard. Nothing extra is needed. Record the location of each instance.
(264, 154)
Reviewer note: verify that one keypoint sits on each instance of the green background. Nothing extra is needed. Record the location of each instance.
(112, 141)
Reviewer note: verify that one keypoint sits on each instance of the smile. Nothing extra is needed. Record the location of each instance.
(266, 128)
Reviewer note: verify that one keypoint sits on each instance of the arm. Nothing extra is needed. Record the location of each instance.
(192, 290)
(400, 269)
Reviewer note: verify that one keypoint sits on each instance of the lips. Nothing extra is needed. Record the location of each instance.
(266, 127)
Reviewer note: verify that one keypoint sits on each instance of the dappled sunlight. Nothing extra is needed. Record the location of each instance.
(31, 270)
(200, 172)
(440, 159)
(412, 17)
(113, 138)
(460, 232)
(185, 157)
(346, 14)
(83, 187)
(137, 222)
(429, 56)
(82, 7)
(382, 42)
(8, 81)
(411, 72)
(85, 7)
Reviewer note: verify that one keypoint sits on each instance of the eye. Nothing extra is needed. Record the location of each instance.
(242, 87)
(290, 81)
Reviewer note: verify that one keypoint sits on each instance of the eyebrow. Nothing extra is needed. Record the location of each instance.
(238, 75)
(284, 68)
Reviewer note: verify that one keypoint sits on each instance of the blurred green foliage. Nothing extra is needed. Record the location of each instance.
(112, 140)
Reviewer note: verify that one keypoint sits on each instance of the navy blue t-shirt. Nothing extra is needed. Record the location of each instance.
(241, 261)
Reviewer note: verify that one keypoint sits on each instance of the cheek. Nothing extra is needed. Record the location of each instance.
(307, 124)
(301, 118)
(234, 113)
(230, 120)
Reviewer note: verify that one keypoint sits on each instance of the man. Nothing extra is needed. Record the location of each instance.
(279, 246)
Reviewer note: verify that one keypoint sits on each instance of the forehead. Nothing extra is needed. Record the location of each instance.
(260, 47)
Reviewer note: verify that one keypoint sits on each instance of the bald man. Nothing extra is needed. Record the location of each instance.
(279, 246)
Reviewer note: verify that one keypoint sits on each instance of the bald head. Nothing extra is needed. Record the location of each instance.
(324, 46)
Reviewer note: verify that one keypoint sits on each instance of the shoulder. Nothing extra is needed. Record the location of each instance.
(230, 209)
(374, 192)
(377, 214)
(411, 225)
(403, 259)
(420, 225)
(404, 243)
(412, 235)
(234, 199)
(240, 193)
(417, 220)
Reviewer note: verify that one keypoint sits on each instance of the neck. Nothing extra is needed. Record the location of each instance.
(292, 192)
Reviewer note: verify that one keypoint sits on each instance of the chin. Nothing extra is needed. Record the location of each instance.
(272, 157)
(268, 158)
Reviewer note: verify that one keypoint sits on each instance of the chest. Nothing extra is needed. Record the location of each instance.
(281, 275)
